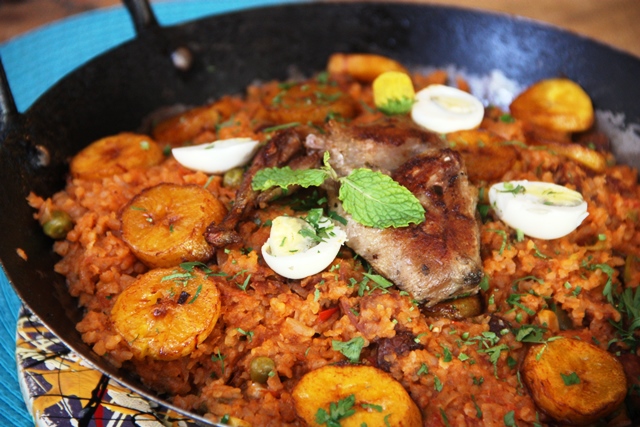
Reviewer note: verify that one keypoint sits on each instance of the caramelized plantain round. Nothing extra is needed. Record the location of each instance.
(377, 398)
(164, 225)
(556, 104)
(116, 154)
(487, 156)
(573, 381)
(364, 67)
(308, 102)
(167, 312)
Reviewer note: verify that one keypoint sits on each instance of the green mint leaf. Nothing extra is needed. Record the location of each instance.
(285, 177)
(375, 200)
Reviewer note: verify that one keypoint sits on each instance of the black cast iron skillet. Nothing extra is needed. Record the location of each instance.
(118, 89)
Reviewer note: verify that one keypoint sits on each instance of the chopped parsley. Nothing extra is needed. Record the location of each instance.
(350, 349)
(570, 379)
(510, 419)
(437, 384)
(513, 189)
(219, 358)
(337, 411)
(504, 236)
(423, 370)
(478, 410)
(248, 334)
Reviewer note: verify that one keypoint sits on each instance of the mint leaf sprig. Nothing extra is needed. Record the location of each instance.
(372, 198)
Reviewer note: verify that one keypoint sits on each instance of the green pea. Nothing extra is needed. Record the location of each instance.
(261, 369)
(233, 177)
(58, 225)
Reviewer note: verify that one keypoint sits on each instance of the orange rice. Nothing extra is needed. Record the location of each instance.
(448, 373)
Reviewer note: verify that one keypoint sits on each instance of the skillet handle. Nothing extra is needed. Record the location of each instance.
(142, 15)
(8, 110)
(147, 25)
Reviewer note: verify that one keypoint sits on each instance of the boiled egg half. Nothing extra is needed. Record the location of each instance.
(218, 156)
(538, 209)
(291, 253)
(445, 109)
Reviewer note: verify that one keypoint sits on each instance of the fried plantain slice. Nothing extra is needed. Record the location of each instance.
(574, 381)
(487, 156)
(558, 104)
(116, 154)
(164, 225)
(167, 312)
(373, 397)
(308, 102)
(364, 67)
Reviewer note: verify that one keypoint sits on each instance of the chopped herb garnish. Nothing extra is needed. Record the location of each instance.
(510, 188)
(478, 410)
(447, 357)
(350, 349)
(281, 127)
(190, 266)
(507, 118)
(219, 358)
(538, 254)
(248, 334)
(423, 370)
(437, 384)
(504, 236)
(478, 380)
(196, 295)
(381, 282)
(570, 379)
(445, 420)
(245, 283)
(178, 277)
(209, 180)
(510, 419)
(337, 411)
(376, 408)
(484, 283)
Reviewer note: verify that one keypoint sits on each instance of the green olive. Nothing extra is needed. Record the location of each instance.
(58, 225)
(261, 369)
(232, 178)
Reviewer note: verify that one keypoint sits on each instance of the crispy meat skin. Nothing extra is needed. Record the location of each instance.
(285, 148)
(437, 259)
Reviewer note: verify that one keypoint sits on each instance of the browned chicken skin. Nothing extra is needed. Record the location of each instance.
(434, 260)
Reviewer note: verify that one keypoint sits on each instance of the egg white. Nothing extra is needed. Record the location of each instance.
(445, 109)
(216, 157)
(542, 210)
(304, 263)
